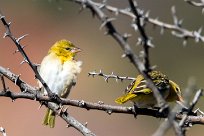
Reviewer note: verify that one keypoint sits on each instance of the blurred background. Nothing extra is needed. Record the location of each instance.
(48, 21)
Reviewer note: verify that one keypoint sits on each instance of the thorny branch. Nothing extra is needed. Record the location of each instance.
(176, 29)
(112, 75)
(70, 120)
(145, 40)
(25, 57)
(83, 104)
(179, 127)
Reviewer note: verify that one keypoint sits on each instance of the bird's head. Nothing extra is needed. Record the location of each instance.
(175, 92)
(65, 50)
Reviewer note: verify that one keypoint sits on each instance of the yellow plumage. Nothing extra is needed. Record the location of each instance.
(59, 70)
(142, 96)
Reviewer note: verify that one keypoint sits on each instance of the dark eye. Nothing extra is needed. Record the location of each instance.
(177, 89)
(68, 48)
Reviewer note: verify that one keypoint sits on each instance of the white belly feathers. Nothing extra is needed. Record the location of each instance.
(59, 77)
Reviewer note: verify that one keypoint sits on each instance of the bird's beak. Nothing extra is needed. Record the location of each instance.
(180, 98)
(76, 50)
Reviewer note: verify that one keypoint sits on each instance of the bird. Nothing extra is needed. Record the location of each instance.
(59, 70)
(142, 96)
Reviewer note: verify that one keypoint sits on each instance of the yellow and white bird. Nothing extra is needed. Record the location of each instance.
(59, 70)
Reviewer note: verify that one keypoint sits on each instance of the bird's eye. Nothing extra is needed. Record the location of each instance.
(68, 48)
(177, 89)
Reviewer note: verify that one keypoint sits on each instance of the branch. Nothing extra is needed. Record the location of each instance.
(176, 30)
(112, 75)
(196, 4)
(145, 40)
(26, 58)
(100, 106)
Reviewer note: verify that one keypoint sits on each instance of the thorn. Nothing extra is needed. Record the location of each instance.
(109, 111)
(81, 103)
(100, 72)
(66, 110)
(135, 27)
(20, 38)
(180, 22)
(86, 124)
(139, 41)
(117, 79)
(100, 102)
(102, 6)
(126, 36)
(41, 104)
(184, 42)
(17, 78)
(5, 35)
(106, 21)
(117, 12)
(123, 55)
(106, 79)
(162, 30)
(9, 23)
(25, 90)
(69, 125)
(149, 43)
(24, 61)
(147, 14)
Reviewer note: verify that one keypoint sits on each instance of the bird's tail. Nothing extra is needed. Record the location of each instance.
(125, 98)
(49, 118)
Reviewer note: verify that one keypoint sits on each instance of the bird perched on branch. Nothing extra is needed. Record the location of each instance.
(59, 70)
(143, 97)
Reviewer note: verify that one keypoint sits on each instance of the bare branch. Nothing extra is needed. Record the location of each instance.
(145, 40)
(112, 75)
(197, 96)
(25, 57)
(179, 32)
(196, 4)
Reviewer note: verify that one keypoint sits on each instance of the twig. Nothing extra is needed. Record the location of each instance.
(25, 57)
(197, 96)
(71, 121)
(145, 40)
(181, 32)
(112, 75)
(3, 131)
(197, 4)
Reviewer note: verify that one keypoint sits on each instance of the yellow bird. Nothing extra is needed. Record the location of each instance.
(143, 97)
(59, 70)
